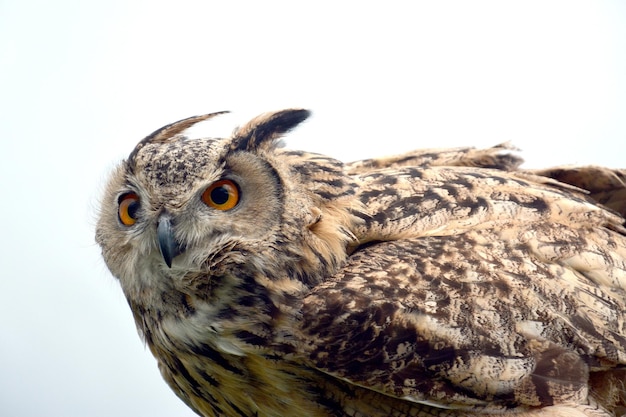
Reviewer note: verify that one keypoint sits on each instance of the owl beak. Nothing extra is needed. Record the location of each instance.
(168, 245)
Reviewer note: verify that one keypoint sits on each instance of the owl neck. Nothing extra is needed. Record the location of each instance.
(234, 313)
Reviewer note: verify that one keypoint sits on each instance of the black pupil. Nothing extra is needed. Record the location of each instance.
(132, 209)
(220, 195)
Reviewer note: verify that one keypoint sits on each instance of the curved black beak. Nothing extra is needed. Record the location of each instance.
(168, 245)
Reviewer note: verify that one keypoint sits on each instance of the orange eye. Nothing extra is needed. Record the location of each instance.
(221, 195)
(128, 206)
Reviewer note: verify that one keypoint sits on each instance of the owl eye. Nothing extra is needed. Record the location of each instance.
(128, 206)
(221, 195)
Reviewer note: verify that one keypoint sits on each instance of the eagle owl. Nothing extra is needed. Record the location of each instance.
(274, 282)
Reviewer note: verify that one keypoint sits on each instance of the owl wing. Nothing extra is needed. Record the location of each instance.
(461, 323)
(498, 157)
(605, 185)
(477, 290)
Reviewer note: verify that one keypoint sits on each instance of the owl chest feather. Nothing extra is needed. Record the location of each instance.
(226, 362)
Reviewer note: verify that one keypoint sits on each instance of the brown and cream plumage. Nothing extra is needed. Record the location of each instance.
(272, 282)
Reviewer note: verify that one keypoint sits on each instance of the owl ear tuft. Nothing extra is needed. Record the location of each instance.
(168, 132)
(264, 130)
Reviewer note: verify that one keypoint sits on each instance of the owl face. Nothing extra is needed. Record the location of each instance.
(182, 215)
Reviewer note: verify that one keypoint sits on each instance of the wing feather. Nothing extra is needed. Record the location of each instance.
(443, 320)
(473, 289)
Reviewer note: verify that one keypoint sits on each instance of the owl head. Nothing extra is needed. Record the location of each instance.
(186, 216)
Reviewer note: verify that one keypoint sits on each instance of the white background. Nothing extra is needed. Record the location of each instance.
(82, 81)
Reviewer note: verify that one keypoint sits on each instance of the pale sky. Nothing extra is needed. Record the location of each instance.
(81, 82)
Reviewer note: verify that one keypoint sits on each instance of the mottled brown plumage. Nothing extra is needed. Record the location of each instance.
(271, 282)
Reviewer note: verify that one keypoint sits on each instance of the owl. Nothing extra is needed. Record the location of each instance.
(443, 282)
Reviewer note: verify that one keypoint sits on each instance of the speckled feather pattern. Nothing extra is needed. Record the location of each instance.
(440, 282)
